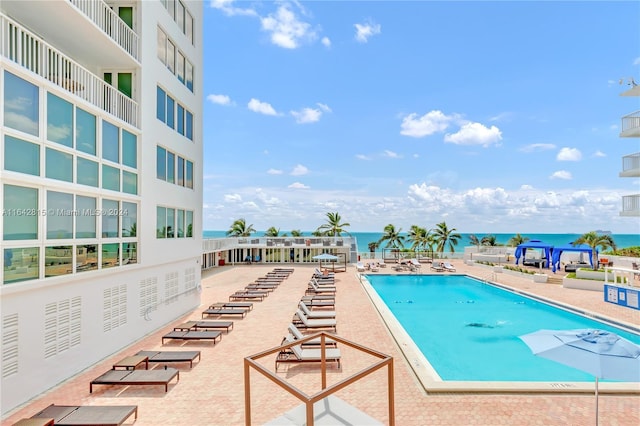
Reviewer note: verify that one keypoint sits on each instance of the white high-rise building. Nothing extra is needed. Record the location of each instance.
(100, 181)
(631, 162)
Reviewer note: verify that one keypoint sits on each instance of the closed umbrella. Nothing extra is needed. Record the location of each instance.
(602, 354)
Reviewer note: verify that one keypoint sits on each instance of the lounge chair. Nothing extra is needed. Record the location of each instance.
(214, 336)
(137, 377)
(316, 323)
(448, 267)
(171, 356)
(219, 312)
(248, 295)
(238, 305)
(437, 266)
(315, 314)
(373, 267)
(360, 267)
(227, 326)
(109, 415)
(382, 264)
(319, 303)
(322, 287)
(297, 334)
(298, 354)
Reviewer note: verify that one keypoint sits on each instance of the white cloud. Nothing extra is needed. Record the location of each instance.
(503, 116)
(561, 174)
(299, 170)
(232, 198)
(366, 30)
(536, 147)
(307, 115)
(298, 185)
(286, 29)
(324, 107)
(227, 7)
(261, 107)
(636, 61)
(363, 157)
(569, 154)
(526, 187)
(274, 172)
(325, 42)
(391, 154)
(219, 99)
(599, 153)
(430, 123)
(475, 134)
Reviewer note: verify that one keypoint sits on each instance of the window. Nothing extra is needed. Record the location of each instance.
(171, 7)
(110, 178)
(110, 142)
(86, 214)
(189, 174)
(20, 208)
(161, 222)
(110, 255)
(171, 220)
(180, 119)
(189, 223)
(129, 149)
(87, 172)
(58, 165)
(129, 253)
(85, 132)
(59, 120)
(129, 219)
(125, 83)
(171, 167)
(162, 46)
(189, 124)
(188, 25)
(171, 56)
(59, 215)
(161, 104)
(180, 171)
(161, 163)
(189, 75)
(180, 67)
(21, 156)
(171, 112)
(21, 104)
(110, 219)
(21, 264)
(180, 224)
(86, 257)
(180, 15)
(129, 182)
(58, 260)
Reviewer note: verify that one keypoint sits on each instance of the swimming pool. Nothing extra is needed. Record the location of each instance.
(468, 330)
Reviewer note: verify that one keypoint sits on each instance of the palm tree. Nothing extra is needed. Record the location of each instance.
(296, 233)
(595, 240)
(373, 246)
(445, 237)
(272, 232)
(333, 227)
(392, 237)
(474, 240)
(239, 228)
(489, 240)
(516, 240)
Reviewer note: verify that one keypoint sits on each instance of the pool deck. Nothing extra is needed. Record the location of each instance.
(212, 392)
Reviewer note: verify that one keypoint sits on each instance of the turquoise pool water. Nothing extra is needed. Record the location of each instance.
(469, 330)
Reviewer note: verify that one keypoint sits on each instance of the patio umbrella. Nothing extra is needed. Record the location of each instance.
(603, 354)
(325, 256)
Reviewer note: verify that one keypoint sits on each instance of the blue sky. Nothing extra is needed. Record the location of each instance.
(491, 116)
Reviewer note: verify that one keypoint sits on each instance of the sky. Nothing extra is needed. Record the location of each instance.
(494, 117)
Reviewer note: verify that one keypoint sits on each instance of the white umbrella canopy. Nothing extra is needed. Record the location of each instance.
(603, 354)
(325, 256)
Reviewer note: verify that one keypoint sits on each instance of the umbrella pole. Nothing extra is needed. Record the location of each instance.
(596, 400)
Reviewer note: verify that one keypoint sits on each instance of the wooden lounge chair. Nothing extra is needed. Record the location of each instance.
(227, 326)
(171, 356)
(107, 415)
(237, 305)
(248, 295)
(214, 336)
(137, 377)
(323, 323)
(297, 354)
(315, 314)
(219, 312)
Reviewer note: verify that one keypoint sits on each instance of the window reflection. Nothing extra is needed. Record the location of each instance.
(58, 260)
(86, 257)
(20, 264)
(110, 255)
(21, 104)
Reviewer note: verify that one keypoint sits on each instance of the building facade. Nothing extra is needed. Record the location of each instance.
(631, 162)
(100, 181)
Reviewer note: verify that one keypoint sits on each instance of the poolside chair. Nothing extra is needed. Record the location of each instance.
(360, 267)
(437, 266)
(214, 336)
(448, 267)
(315, 314)
(382, 264)
(86, 414)
(171, 356)
(297, 334)
(298, 354)
(316, 289)
(316, 323)
(137, 377)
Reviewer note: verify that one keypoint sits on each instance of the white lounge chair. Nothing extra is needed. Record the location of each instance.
(316, 314)
(297, 334)
(437, 266)
(299, 354)
(316, 322)
(382, 264)
(360, 267)
(448, 267)
(315, 288)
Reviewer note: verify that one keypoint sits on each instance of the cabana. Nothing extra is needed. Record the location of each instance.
(521, 250)
(557, 252)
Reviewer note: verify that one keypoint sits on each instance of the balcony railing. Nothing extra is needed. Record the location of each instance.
(630, 205)
(108, 21)
(33, 53)
(631, 164)
(631, 122)
(215, 244)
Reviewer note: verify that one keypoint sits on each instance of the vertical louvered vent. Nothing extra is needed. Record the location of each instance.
(62, 328)
(171, 287)
(9, 345)
(114, 307)
(190, 279)
(148, 296)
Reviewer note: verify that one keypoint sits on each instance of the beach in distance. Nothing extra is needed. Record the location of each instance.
(364, 238)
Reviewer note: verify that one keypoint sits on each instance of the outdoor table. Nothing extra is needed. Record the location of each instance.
(131, 362)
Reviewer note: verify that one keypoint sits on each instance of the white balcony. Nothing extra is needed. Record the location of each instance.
(19, 45)
(87, 30)
(631, 125)
(631, 165)
(631, 205)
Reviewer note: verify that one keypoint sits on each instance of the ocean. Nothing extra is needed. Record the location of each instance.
(364, 238)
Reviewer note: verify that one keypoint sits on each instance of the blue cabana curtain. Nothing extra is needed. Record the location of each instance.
(521, 250)
(557, 252)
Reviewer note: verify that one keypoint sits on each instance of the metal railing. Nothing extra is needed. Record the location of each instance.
(33, 53)
(101, 14)
(631, 162)
(631, 121)
(631, 205)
